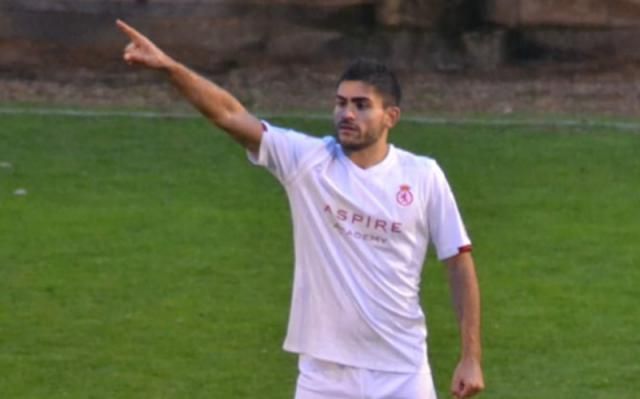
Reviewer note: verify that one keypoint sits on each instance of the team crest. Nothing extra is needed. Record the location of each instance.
(404, 196)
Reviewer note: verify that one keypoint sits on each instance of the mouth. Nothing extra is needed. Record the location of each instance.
(347, 128)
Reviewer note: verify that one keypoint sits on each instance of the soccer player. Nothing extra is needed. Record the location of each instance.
(363, 213)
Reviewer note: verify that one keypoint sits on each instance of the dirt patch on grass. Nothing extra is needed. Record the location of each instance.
(585, 89)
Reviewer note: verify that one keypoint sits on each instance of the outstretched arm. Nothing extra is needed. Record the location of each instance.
(218, 105)
(467, 378)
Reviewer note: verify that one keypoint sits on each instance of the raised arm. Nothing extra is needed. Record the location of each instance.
(215, 103)
(467, 378)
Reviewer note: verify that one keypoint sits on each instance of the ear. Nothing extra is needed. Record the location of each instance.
(392, 116)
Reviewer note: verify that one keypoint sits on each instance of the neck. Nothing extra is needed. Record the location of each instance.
(370, 156)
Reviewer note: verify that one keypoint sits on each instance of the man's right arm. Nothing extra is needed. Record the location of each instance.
(215, 103)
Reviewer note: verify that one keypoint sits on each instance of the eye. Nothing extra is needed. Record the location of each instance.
(362, 105)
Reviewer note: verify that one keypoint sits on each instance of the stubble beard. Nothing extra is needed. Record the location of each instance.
(364, 140)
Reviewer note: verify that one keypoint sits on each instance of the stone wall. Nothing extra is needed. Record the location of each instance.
(567, 30)
(593, 14)
(213, 35)
(210, 34)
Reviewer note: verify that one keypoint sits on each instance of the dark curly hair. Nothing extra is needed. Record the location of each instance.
(377, 75)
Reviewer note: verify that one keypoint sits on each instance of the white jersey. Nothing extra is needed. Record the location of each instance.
(360, 240)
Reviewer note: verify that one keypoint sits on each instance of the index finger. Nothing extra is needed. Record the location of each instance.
(129, 31)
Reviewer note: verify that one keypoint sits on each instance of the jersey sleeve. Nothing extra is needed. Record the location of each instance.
(446, 228)
(282, 151)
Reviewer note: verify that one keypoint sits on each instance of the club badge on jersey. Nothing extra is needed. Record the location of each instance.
(404, 195)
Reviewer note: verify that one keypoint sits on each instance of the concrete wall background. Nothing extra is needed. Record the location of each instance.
(218, 35)
(597, 14)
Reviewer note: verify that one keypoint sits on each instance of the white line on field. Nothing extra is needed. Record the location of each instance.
(489, 122)
(94, 114)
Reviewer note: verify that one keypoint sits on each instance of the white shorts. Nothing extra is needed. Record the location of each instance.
(319, 379)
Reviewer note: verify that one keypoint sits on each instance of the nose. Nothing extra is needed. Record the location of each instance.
(346, 113)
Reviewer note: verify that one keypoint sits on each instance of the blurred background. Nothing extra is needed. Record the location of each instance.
(454, 56)
(124, 235)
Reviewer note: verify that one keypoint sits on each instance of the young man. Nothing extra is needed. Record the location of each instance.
(363, 214)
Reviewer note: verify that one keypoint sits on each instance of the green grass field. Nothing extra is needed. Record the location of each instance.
(149, 260)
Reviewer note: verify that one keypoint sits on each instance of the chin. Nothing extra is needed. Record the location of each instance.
(354, 141)
(345, 141)
(352, 146)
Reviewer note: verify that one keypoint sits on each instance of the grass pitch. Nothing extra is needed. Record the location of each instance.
(149, 260)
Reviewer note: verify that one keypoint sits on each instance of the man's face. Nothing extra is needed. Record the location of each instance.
(359, 115)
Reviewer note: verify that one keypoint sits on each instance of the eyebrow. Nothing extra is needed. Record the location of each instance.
(354, 99)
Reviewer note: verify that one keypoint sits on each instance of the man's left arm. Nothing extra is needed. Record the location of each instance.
(465, 292)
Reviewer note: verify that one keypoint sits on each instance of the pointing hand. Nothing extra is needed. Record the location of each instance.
(141, 51)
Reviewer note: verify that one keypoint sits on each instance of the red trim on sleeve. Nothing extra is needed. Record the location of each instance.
(464, 248)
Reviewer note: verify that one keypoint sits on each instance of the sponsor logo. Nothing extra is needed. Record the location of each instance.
(360, 220)
(358, 235)
(362, 227)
